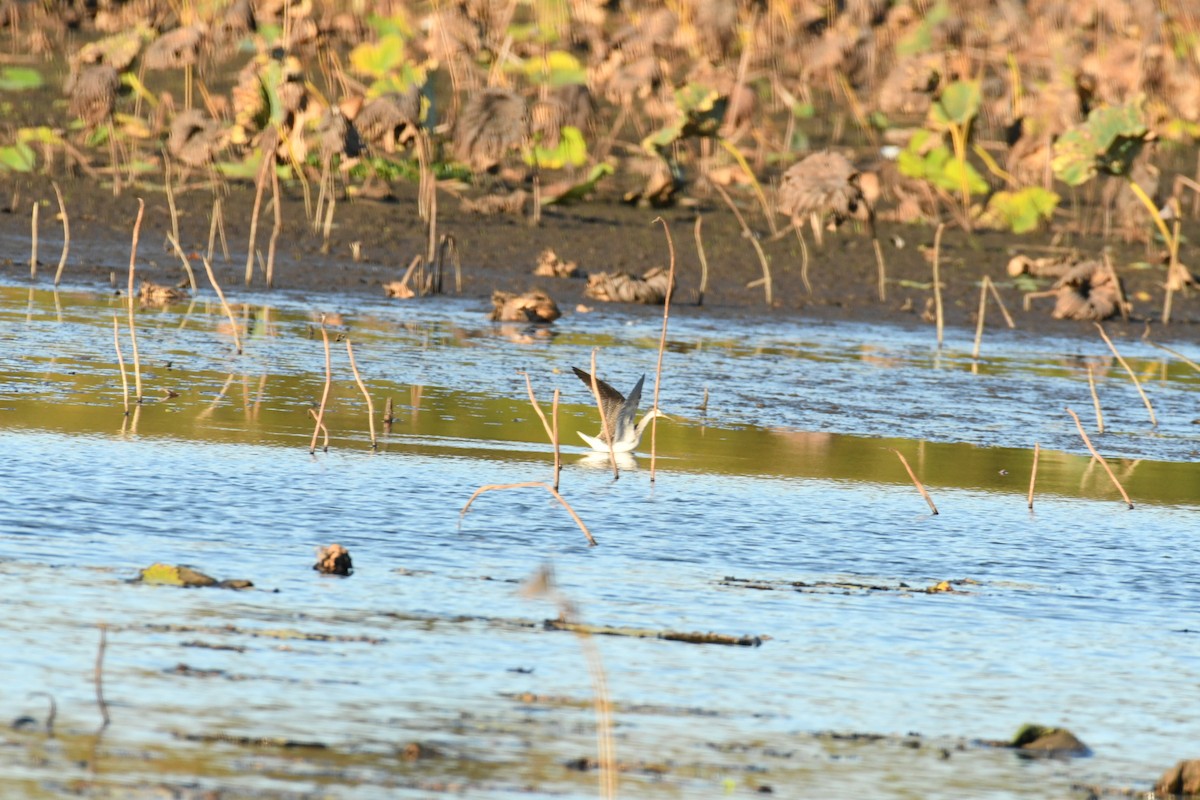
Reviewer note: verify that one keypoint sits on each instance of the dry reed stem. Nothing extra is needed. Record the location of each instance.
(66, 223)
(321, 427)
(275, 228)
(170, 195)
(33, 255)
(612, 456)
(916, 482)
(554, 436)
(551, 431)
(1033, 473)
(237, 341)
(1175, 353)
(363, 387)
(388, 419)
(98, 675)
(762, 257)
(312, 448)
(137, 365)
(1099, 458)
(1095, 399)
(880, 266)
(529, 484)
(803, 259)
(1008, 320)
(1133, 377)
(937, 280)
(982, 316)
(187, 264)
(662, 346)
(121, 362)
(703, 260)
(259, 184)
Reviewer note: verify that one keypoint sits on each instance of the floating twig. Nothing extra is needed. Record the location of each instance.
(1033, 473)
(662, 346)
(1095, 399)
(1099, 458)
(312, 448)
(137, 366)
(937, 280)
(916, 482)
(1133, 377)
(529, 484)
(66, 223)
(237, 340)
(362, 386)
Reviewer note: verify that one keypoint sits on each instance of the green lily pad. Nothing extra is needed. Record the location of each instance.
(20, 79)
(1108, 141)
(1021, 211)
(17, 157)
(957, 105)
(571, 151)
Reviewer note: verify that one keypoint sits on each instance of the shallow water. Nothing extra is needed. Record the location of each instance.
(1076, 615)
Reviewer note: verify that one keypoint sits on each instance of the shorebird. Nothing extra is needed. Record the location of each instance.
(619, 412)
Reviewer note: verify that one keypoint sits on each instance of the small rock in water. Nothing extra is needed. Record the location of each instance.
(1181, 779)
(1046, 741)
(333, 560)
(532, 306)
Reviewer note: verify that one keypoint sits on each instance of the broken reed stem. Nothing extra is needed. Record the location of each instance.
(703, 260)
(260, 182)
(554, 437)
(1033, 473)
(66, 223)
(137, 366)
(662, 346)
(1175, 353)
(363, 387)
(170, 195)
(916, 482)
(612, 456)
(275, 229)
(762, 257)
(33, 258)
(237, 340)
(321, 427)
(880, 265)
(1133, 377)
(1008, 320)
(937, 280)
(528, 484)
(98, 675)
(982, 315)
(387, 416)
(1095, 399)
(312, 448)
(121, 362)
(1099, 458)
(551, 430)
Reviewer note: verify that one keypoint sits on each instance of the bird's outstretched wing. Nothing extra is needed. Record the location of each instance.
(612, 401)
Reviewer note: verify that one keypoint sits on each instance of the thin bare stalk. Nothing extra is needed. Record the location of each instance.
(388, 417)
(528, 484)
(275, 229)
(312, 448)
(703, 260)
(1008, 320)
(121, 362)
(1133, 377)
(880, 266)
(1175, 353)
(662, 345)
(363, 387)
(237, 341)
(137, 365)
(1099, 458)
(554, 437)
(803, 259)
(187, 264)
(66, 223)
(33, 255)
(259, 184)
(98, 676)
(612, 456)
(979, 322)
(551, 431)
(916, 482)
(937, 281)
(321, 427)
(170, 195)
(762, 257)
(1095, 399)
(1033, 473)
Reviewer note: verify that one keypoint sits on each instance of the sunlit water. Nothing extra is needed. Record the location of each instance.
(1080, 614)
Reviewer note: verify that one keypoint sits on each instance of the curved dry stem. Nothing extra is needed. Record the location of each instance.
(762, 257)
(66, 223)
(237, 340)
(492, 487)
(703, 260)
(1099, 458)
(137, 366)
(363, 387)
(312, 448)
(551, 431)
(937, 280)
(1033, 473)
(662, 344)
(1133, 377)
(917, 483)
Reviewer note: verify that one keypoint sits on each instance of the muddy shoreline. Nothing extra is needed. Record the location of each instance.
(603, 234)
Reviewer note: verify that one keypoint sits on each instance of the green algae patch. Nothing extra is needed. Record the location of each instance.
(159, 574)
